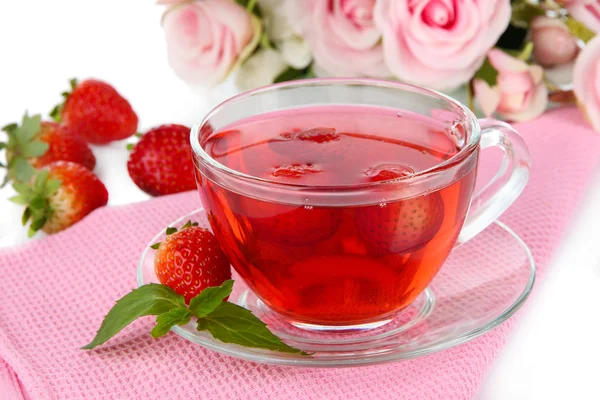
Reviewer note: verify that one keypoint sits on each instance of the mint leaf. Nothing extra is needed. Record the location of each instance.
(164, 322)
(22, 170)
(487, 73)
(150, 299)
(579, 29)
(34, 149)
(231, 323)
(210, 298)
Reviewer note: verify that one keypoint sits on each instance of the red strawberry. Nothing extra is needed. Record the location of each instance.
(41, 143)
(190, 260)
(161, 163)
(61, 195)
(318, 145)
(96, 111)
(290, 224)
(401, 226)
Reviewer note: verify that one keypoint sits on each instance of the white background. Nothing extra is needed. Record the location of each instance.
(555, 352)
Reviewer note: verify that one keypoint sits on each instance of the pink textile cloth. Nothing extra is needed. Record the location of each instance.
(54, 293)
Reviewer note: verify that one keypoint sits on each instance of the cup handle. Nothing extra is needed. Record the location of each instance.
(505, 186)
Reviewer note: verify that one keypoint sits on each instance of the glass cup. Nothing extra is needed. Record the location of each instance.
(318, 255)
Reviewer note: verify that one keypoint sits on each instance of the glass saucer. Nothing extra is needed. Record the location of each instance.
(483, 282)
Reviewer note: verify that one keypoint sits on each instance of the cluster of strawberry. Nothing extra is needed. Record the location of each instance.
(51, 164)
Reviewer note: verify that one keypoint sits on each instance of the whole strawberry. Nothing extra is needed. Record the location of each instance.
(96, 111)
(161, 162)
(59, 195)
(190, 260)
(36, 143)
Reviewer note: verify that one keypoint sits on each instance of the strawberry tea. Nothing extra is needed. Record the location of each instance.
(322, 255)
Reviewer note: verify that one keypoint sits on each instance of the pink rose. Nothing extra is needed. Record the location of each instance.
(552, 42)
(586, 11)
(520, 93)
(439, 43)
(205, 39)
(586, 81)
(342, 34)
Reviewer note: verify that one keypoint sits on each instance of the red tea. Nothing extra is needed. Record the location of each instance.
(335, 261)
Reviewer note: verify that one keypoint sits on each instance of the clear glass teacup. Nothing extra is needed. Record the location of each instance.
(338, 200)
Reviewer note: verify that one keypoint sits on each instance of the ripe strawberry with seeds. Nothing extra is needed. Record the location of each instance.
(60, 195)
(36, 143)
(161, 162)
(190, 260)
(401, 226)
(96, 111)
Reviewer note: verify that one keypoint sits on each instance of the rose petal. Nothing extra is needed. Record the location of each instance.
(487, 97)
(536, 107)
(504, 62)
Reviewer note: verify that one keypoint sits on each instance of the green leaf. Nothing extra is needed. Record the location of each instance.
(265, 42)
(524, 13)
(73, 84)
(19, 199)
(231, 323)
(40, 181)
(139, 135)
(187, 224)
(51, 187)
(37, 224)
(171, 230)
(579, 29)
(130, 146)
(23, 188)
(9, 128)
(29, 127)
(55, 112)
(39, 203)
(150, 299)
(34, 148)
(22, 170)
(210, 298)
(487, 73)
(155, 246)
(26, 215)
(164, 322)
(291, 74)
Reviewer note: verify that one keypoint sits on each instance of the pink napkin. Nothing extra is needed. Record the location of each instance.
(54, 293)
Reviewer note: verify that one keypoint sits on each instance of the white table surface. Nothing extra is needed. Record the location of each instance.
(555, 352)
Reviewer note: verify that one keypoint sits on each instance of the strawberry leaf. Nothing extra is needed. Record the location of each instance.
(155, 246)
(26, 215)
(34, 149)
(231, 323)
(38, 203)
(164, 322)
(9, 128)
(210, 298)
(30, 126)
(22, 170)
(52, 186)
(130, 146)
(19, 199)
(150, 299)
(40, 181)
(36, 224)
(171, 230)
(23, 188)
